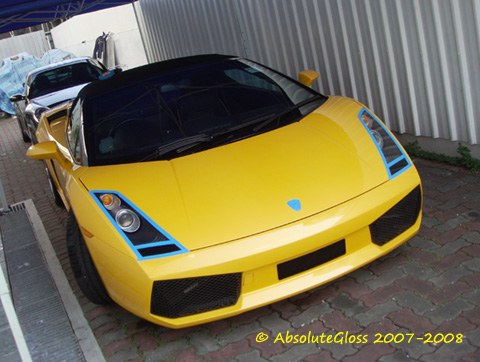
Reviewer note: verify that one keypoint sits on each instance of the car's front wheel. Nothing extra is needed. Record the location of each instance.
(25, 136)
(53, 189)
(83, 268)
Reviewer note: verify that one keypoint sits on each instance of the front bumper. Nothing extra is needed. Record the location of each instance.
(254, 261)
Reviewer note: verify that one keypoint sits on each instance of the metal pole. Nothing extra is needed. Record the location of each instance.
(3, 199)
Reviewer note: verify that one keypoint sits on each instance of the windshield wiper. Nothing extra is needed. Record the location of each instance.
(277, 117)
(241, 126)
(179, 146)
(184, 144)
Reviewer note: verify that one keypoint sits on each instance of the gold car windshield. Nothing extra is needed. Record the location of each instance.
(181, 111)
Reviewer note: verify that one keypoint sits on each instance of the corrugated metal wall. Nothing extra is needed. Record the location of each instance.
(416, 63)
(33, 43)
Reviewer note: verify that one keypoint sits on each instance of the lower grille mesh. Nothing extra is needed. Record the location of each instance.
(182, 297)
(398, 219)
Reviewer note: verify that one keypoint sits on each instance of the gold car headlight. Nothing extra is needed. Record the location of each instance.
(146, 239)
(393, 155)
(127, 220)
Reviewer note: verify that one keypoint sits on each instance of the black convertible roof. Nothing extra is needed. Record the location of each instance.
(144, 71)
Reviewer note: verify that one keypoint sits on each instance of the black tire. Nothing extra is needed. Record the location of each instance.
(53, 189)
(83, 268)
(25, 136)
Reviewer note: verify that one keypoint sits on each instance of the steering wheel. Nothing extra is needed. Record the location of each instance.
(121, 124)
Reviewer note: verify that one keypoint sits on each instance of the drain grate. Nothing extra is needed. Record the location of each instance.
(45, 324)
(17, 207)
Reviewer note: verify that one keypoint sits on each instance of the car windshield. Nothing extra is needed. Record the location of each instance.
(187, 110)
(67, 76)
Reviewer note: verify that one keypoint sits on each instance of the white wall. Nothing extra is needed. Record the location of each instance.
(78, 35)
(32, 43)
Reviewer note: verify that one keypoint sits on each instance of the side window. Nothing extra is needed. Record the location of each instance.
(74, 132)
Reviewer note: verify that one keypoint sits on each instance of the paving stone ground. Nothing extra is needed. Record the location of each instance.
(429, 288)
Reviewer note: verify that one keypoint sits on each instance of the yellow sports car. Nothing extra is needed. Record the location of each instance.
(202, 187)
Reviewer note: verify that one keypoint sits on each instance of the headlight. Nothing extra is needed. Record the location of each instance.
(127, 220)
(378, 138)
(110, 201)
(146, 239)
(382, 138)
(38, 113)
(392, 153)
(370, 123)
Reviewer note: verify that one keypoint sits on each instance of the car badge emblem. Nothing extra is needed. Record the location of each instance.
(295, 204)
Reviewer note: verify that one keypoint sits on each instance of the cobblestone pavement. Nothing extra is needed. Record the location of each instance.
(429, 287)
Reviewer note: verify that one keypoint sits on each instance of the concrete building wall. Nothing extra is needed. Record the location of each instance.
(33, 43)
(78, 35)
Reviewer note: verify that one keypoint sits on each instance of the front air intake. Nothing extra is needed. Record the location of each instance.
(183, 297)
(398, 219)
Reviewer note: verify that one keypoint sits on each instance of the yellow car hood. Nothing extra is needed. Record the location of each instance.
(244, 188)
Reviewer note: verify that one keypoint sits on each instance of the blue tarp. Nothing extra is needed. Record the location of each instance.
(57, 55)
(15, 69)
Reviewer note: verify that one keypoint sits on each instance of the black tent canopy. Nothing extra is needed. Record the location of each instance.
(18, 14)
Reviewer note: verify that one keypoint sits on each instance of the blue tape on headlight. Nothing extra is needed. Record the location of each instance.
(146, 239)
(393, 155)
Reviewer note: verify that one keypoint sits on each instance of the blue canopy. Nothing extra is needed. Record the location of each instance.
(17, 14)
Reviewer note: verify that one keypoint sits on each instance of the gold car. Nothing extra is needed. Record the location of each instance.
(202, 187)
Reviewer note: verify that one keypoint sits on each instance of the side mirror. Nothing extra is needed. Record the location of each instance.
(307, 77)
(46, 151)
(16, 98)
